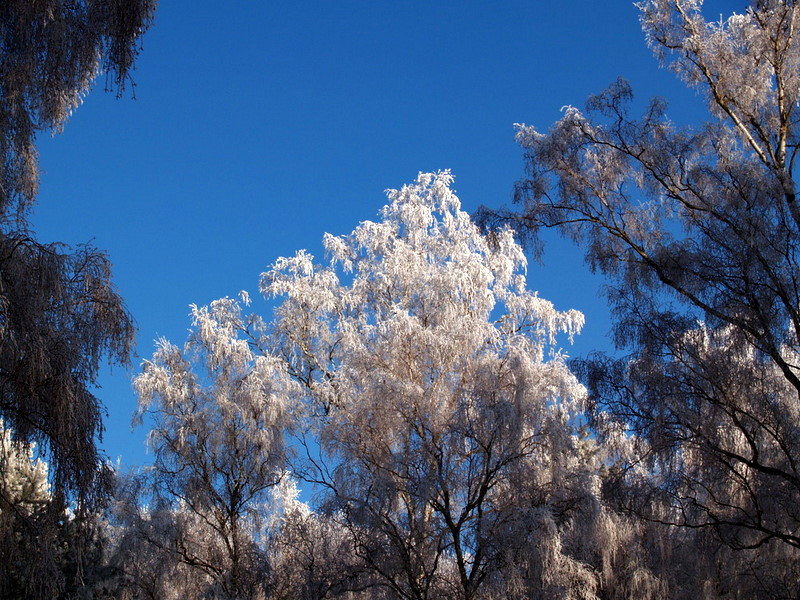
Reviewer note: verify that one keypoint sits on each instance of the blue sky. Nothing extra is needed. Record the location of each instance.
(259, 126)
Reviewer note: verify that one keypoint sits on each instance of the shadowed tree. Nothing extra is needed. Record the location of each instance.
(697, 230)
(59, 313)
(51, 52)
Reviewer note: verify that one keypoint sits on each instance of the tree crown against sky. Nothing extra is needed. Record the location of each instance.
(52, 52)
(444, 390)
(430, 402)
(60, 315)
(696, 229)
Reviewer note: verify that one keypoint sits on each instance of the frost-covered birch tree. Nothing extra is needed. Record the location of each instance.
(443, 405)
(698, 230)
(431, 410)
(219, 412)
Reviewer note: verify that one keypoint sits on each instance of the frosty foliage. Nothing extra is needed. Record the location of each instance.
(748, 65)
(425, 276)
(697, 230)
(24, 486)
(24, 502)
(443, 405)
(431, 410)
(219, 413)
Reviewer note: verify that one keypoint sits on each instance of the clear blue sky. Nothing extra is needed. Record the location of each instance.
(258, 126)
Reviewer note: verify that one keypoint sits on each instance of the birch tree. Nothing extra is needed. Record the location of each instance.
(442, 403)
(52, 52)
(219, 414)
(60, 315)
(59, 311)
(697, 229)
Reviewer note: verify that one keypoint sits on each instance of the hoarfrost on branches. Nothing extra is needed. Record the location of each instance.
(447, 407)
(219, 414)
(433, 415)
(697, 230)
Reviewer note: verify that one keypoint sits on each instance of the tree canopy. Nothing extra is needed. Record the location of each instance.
(697, 229)
(60, 314)
(400, 419)
(51, 52)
